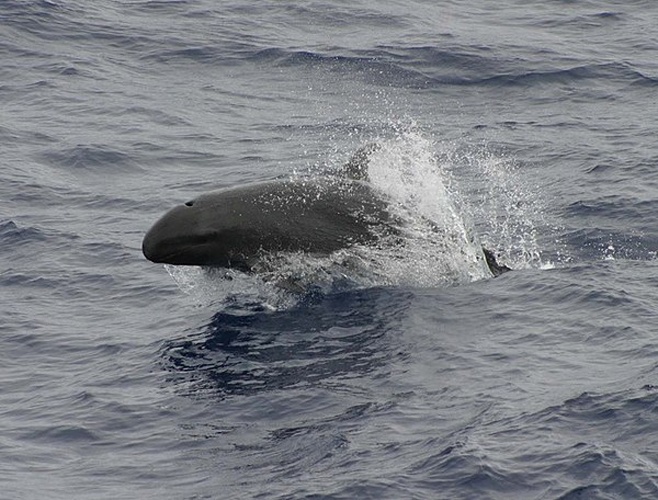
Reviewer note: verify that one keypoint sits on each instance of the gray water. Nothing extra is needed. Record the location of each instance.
(534, 122)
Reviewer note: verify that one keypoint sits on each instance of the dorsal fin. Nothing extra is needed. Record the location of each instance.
(357, 167)
(495, 268)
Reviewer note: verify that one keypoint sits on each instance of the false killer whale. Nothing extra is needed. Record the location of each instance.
(233, 227)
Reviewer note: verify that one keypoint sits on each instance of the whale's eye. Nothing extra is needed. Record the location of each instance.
(189, 203)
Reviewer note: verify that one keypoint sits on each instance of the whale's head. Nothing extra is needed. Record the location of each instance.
(191, 234)
(177, 239)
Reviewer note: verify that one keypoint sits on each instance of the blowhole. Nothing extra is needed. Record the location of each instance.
(189, 203)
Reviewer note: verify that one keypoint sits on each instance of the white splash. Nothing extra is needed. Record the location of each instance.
(228, 288)
(505, 208)
(440, 247)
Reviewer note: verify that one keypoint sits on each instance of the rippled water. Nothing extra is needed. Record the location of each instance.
(527, 126)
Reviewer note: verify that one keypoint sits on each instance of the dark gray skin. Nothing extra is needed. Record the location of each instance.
(233, 227)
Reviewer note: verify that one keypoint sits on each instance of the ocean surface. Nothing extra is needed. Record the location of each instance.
(528, 127)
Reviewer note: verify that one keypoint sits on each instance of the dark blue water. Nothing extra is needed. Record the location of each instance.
(532, 123)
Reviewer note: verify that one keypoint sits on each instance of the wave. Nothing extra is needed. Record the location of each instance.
(572, 75)
(343, 336)
(13, 235)
(425, 67)
(615, 207)
(252, 41)
(90, 156)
